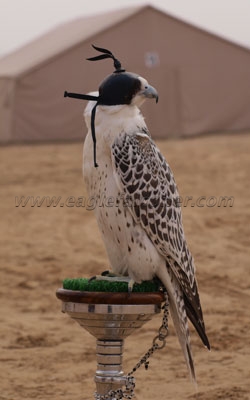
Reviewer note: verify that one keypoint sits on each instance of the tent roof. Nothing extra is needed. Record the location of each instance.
(72, 33)
(60, 39)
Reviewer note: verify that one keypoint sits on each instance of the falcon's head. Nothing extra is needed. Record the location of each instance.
(116, 89)
(125, 88)
(122, 87)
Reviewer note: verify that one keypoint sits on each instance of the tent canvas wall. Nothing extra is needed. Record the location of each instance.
(202, 80)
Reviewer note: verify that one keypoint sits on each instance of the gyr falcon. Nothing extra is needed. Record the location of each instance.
(142, 230)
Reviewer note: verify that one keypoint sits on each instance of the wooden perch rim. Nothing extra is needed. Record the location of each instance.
(76, 296)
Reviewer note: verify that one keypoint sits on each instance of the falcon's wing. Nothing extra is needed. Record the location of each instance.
(144, 176)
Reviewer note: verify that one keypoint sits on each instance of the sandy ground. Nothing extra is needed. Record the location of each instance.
(44, 354)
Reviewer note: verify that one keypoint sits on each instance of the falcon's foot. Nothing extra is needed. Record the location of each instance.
(111, 277)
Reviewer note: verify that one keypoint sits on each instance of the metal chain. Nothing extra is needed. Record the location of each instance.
(158, 343)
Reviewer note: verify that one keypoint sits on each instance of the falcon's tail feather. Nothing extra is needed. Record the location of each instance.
(199, 325)
(179, 317)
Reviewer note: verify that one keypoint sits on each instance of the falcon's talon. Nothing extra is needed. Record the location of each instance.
(92, 278)
(105, 273)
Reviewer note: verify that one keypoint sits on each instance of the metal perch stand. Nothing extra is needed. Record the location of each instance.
(110, 318)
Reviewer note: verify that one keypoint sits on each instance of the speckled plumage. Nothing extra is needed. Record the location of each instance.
(142, 230)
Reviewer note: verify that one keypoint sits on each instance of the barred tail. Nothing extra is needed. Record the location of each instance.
(179, 317)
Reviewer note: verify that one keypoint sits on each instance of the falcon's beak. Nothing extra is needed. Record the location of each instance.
(151, 93)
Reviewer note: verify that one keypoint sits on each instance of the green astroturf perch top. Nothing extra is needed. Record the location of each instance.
(84, 285)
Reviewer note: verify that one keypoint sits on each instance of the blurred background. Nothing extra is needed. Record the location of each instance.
(197, 56)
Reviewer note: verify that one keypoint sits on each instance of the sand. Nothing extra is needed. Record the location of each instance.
(46, 355)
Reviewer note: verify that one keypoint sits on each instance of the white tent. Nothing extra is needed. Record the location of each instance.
(203, 81)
